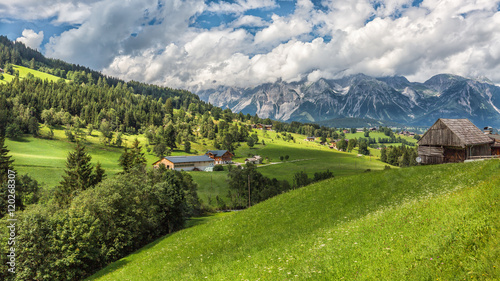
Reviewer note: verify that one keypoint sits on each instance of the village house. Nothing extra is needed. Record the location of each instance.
(310, 139)
(453, 140)
(220, 156)
(333, 144)
(262, 127)
(495, 146)
(187, 163)
(254, 160)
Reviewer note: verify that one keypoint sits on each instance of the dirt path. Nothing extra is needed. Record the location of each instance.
(274, 163)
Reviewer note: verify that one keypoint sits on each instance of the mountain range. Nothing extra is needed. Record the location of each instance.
(392, 99)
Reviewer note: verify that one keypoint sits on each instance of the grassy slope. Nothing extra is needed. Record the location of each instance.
(23, 71)
(45, 159)
(421, 223)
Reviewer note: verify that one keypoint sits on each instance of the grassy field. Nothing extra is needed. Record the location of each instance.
(45, 159)
(421, 223)
(23, 71)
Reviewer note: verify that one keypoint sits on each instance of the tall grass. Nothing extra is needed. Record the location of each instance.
(421, 223)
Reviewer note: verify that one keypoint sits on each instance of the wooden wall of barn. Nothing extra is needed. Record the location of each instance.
(439, 134)
(479, 150)
(431, 154)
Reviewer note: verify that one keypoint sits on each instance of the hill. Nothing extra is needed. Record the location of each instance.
(420, 223)
(390, 99)
(23, 73)
(31, 157)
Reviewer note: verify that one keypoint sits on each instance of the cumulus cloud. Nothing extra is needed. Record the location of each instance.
(249, 21)
(31, 39)
(156, 41)
(391, 39)
(116, 27)
(62, 11)
(240, 6)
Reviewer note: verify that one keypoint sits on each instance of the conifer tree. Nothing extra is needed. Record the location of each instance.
(78, 176)
(133, 158)
(5, 166)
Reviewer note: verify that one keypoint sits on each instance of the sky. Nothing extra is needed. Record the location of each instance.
(196, 44)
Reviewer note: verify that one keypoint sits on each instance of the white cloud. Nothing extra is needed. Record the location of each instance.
(437, 37)
(249, 21)
(31, 39)
(240, 6)
(72, 12)
(152, 42)
(282, 29)
(118, 27)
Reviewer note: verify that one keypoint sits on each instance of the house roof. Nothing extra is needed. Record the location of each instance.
(496, 139)
(184, 159)
(464, 130)
(217, 152)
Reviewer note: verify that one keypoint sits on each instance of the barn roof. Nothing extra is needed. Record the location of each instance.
(217, 152)
(465, 133)
(184, 159)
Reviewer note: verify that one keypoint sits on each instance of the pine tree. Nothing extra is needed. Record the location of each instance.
(79, 176)
(133, 158)
(138, 158)
(98, 175)
(125, 160)
(383, 155)
(5, 161)
(5, 167)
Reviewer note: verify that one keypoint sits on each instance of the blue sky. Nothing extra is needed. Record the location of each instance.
(196, 44)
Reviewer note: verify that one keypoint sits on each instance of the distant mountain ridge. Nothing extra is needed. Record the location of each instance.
(393, 99)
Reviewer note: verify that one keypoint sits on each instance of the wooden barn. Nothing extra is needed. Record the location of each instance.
(453, 140)
(495, 147)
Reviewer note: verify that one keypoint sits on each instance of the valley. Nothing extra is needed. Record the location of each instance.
(336, 192)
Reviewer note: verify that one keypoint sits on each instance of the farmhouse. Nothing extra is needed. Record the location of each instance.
(187, 163)
(254, 160)
(220, 156)
(310, 139)
(453, 140)
(495, 147)
(262, 127)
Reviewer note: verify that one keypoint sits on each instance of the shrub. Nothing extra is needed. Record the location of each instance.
(218, 168)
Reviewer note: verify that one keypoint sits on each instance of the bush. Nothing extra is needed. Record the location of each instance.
(101, 225)
(218, 168)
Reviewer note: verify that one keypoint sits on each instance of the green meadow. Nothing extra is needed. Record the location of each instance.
(421, 223)
(23, 71)
(45, 159)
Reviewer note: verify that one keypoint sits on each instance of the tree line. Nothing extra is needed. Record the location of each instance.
(247, 186)
(91, 220)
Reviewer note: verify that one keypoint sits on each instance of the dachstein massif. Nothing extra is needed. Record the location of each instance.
(389, 98)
